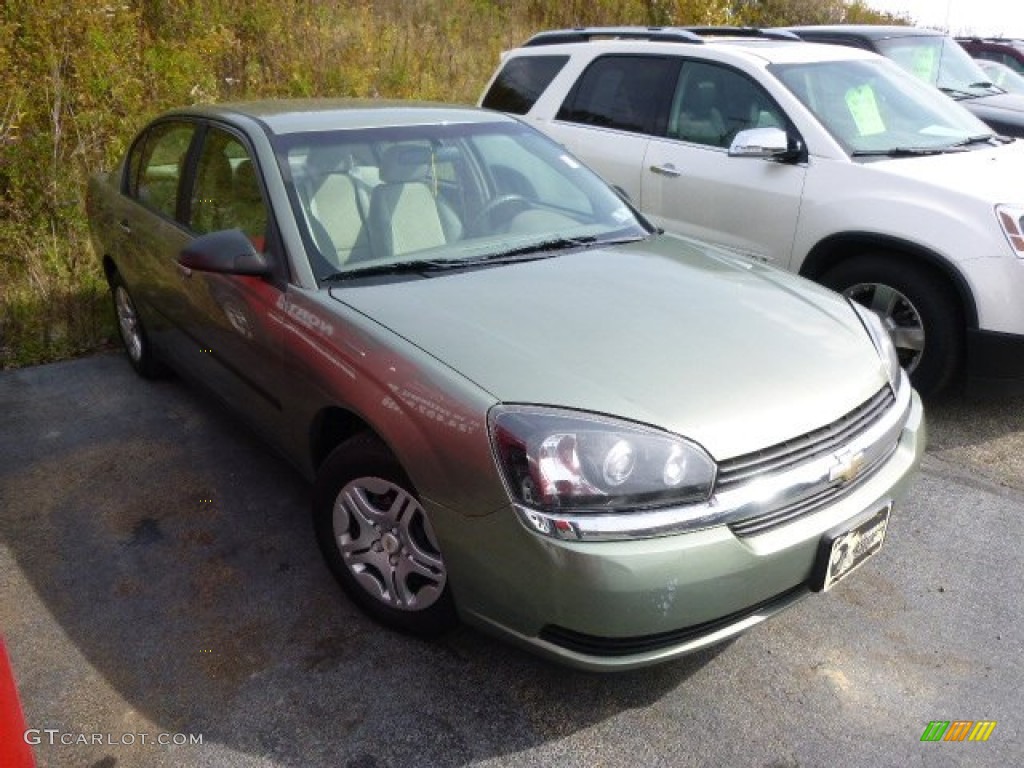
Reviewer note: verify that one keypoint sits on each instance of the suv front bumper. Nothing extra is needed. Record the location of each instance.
(995, 362)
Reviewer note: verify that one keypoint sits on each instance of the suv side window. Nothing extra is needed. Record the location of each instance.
(155, 166)
(712, 103)
(227, 193)
(629, 93)
(521, 82)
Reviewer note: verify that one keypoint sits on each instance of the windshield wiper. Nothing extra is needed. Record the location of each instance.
(540, 250)
(988, 84)
(981, 138)
(418, 266)
(906, 151)
(958, 93)
(553, 246)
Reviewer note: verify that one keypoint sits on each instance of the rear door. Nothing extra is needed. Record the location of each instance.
(610, 113)
(149, 230)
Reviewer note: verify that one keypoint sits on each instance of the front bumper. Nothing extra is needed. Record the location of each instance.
(616, 605)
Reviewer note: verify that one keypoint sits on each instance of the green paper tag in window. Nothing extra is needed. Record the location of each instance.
(924, 64)
(862, 105)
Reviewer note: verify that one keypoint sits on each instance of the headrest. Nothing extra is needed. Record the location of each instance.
(330, 158)
(405, 162)
(247, 186)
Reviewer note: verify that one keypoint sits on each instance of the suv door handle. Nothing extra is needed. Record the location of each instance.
(666, 170)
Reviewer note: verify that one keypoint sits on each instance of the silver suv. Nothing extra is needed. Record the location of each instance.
(826, 160)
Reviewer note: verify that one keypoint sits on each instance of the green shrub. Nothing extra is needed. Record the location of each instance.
(79, 78)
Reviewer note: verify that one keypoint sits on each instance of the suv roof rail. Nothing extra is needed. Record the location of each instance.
(586, 34)
(988, 39)
(770, 34)
(653, 34)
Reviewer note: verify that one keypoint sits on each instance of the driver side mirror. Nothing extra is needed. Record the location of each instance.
(227, 252)
(764, 143)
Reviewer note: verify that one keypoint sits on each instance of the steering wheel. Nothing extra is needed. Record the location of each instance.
(507, 205)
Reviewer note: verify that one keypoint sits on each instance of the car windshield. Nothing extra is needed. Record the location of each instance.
(443, 195)
(939, 61)
(873, 107)
(1003, 76)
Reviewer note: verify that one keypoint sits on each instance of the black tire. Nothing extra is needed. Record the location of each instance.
(378, 541)
(133, 334)
(919, 308)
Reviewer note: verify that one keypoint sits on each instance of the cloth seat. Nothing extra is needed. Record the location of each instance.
(406, 214)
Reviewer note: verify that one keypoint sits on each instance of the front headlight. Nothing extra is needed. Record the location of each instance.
(1011, 220)
(559, 460)
(883, 343)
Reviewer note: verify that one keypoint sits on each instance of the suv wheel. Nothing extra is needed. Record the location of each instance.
(918, 308)
(378, 540)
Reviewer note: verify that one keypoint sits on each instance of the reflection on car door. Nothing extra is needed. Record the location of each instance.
(691, 186)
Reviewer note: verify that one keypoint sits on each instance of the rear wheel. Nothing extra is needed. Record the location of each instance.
(133, 332)
(378, 540)
(917, 307)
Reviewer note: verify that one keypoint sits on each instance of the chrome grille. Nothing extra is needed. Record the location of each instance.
(820, 442)
(783, 515)
(801, 451)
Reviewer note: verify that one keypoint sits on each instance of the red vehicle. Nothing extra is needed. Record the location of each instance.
(1005, 50)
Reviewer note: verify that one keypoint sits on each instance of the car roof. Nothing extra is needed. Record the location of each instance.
(866, 31)
(283, 116)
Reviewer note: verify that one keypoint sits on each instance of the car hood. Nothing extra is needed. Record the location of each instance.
(991, 174)
(1003, 111)
(734, 355)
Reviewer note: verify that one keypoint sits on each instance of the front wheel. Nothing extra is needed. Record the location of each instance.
(918, 308)
(378, 540)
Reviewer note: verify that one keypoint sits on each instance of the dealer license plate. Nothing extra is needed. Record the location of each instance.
(847, 551)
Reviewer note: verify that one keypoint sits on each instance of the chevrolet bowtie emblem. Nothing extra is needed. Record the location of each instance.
(848, 465)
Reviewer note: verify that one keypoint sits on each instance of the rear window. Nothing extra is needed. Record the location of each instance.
(521, 82)
(628, 93)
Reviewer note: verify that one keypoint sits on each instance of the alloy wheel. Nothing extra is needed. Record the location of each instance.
(387, 544)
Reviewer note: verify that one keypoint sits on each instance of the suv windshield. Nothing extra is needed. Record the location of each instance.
(939, 61)
(432, 196)
(873, 107)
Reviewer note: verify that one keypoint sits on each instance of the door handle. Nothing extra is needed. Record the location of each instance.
(666, 170)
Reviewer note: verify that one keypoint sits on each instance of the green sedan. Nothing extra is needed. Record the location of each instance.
(520, 405)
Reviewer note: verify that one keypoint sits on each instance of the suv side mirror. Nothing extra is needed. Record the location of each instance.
(228, 251)
(765, 143)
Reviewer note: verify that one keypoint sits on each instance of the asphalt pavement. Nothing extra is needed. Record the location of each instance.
(164, 604)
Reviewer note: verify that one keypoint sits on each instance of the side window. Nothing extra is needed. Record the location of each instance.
(1013, 63)
(155, 166)
(711, 104)
(227, 191)
(521, 82)
(629, 93)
